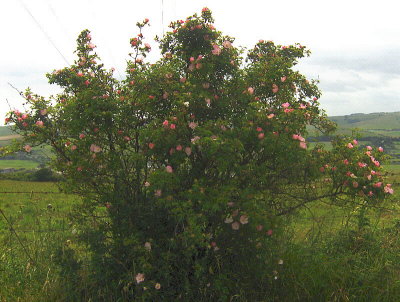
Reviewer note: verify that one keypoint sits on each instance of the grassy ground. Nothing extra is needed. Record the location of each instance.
(18, 164)
(36, 225)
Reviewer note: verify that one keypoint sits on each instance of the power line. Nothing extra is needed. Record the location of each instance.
(43, 31)
(108, 49)
(162, 16)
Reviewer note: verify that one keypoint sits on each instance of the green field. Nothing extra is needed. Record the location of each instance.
(36, 226)
(18, 164)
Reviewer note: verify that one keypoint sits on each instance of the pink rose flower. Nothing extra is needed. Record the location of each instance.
(244, 219)
(216, 50)
(361, 165)
(227, 44)
(388, 189)
(192, 125)
(94, 148)
(139, 278)
(169, 169)
(235, 226)
(28, 148)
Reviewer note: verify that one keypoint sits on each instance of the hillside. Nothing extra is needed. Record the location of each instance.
(5, 131)
(380, 123)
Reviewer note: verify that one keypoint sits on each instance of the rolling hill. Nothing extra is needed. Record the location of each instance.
(372, 124)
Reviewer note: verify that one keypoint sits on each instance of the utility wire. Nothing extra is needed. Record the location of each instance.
(43, 31)
(94, 15)
(162, 16)
(54, 13)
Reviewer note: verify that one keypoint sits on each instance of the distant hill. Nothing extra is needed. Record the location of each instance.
(5, 131)
(380, 123)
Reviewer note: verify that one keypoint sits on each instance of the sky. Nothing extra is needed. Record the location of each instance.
(355, 44)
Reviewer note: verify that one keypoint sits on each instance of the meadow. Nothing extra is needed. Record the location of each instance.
(334, 253)
(33, 226)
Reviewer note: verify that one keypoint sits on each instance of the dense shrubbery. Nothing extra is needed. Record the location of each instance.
(190, 166)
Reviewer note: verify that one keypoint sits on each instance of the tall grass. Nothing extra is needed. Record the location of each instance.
(34, 228)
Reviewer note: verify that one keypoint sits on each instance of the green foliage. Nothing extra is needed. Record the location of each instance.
(191, 165)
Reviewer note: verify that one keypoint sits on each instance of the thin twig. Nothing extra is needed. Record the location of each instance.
(15, 88)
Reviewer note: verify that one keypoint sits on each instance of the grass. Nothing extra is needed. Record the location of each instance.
(36, 226)
(18, 164)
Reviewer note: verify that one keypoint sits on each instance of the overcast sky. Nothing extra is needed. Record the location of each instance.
(355, 43)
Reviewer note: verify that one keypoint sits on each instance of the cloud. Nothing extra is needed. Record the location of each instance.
(383, 61)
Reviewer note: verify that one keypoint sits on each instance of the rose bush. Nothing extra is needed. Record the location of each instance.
(190, 166)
